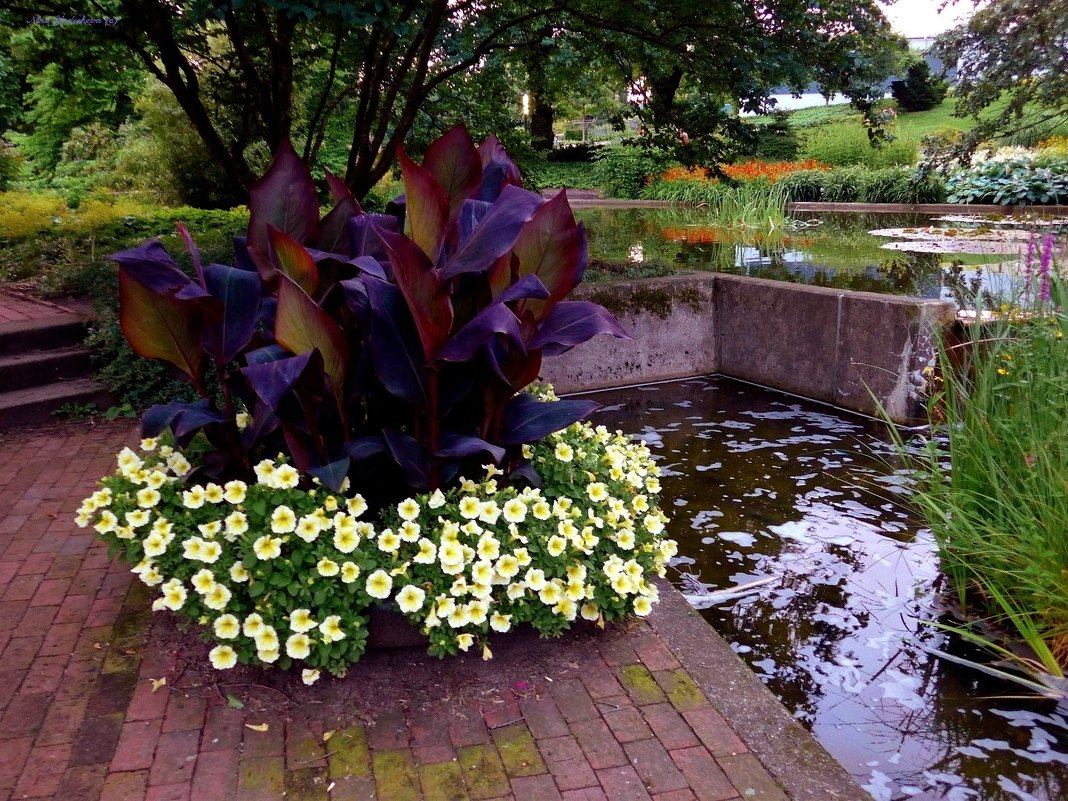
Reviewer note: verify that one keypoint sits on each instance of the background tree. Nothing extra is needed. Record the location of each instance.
(919, 91)
(1012, 69)
(248, 74)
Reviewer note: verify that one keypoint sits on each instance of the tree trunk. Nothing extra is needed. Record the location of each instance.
(663, 89)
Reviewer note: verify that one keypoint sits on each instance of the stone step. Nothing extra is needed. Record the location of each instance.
(36, 368)
(35, 404)
(61, 331)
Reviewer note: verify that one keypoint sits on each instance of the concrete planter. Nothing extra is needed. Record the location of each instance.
(856, 350)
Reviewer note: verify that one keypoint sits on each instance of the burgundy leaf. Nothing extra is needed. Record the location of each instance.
(424, 291)
(284, 198)
(455, 164)
(426, 205)
(496, 233)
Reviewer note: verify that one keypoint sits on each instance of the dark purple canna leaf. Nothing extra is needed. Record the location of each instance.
(272, 380)
(181, 418)
(498, 169)
(293, 259)
(284, 198)
(424, 291)
(395, 348)
(155, 270)
(363, 234)
(194, 252)
(333, 235)
(410, 456)
(264, 422)
(526, 419)
(159, 325)
(496, 319)
(332, 475)
(573, 322)
(426, 206)
(364, 448)
(495, 234)
(552, 247)
(242, 259)
(459, 446)
(301, 325)
(238, 293)
(371, 266)
(529, 286)
(455, 164)
(471, 214)
(526, 472)
(270, 353)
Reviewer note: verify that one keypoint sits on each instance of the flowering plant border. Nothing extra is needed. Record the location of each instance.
(283, 571)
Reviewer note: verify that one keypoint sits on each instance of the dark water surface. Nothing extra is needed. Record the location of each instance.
(761, 485)
(820, 249)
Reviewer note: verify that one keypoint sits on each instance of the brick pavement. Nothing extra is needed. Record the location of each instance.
(593, 716)
(18, 304)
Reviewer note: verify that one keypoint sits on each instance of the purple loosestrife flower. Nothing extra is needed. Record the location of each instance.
(1044, 263)
(1029, 263)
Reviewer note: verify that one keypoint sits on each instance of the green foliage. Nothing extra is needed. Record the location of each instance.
(577, 175)
(845, 145)
(776, 140)
(1010, 75)
(1000, 514)
(919, 91)
(803, 186)
(1011, 180)
(625, 170)
(65, 252)
(10, 166)
(750, 205)
(860, 185)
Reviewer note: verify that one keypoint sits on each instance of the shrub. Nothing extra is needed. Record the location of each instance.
(919, 91)
(1011, 179)
(776, 140)
(847, 145)
(805, 186)
(858, 185)
(625, 170)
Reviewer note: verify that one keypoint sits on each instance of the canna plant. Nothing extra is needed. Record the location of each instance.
(389, 349)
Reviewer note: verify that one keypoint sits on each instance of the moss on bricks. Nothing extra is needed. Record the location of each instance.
(681, 690)
(483, 772)
(307, 784)
(443, 781)
(518, 751)
(349, 755)
(640, 685)
(395, 776)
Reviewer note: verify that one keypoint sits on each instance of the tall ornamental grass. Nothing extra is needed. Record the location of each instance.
(752, 205)
(1000, 514)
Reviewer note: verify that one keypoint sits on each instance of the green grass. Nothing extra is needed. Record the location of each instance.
(1000, 515)
(751, 206)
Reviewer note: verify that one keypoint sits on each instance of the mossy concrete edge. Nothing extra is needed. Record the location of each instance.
(803, 767)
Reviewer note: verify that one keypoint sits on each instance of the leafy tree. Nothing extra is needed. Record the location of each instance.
(919, 91)
(1011, 59)
(256, 72)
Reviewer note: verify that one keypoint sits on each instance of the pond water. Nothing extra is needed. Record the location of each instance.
(767, 487)
(822, 249)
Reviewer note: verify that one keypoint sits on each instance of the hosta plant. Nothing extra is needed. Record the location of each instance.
(353, 370)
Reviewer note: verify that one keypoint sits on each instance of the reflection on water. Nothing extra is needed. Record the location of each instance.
(768, 486)
(837, 251)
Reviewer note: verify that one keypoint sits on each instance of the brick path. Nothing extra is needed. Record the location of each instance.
(595, 715)
(17, 304)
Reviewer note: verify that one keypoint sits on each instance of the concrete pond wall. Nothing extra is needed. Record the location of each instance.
(856, 350)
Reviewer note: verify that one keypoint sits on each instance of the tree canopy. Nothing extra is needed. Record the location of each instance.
(1012, 63)
(250, 73)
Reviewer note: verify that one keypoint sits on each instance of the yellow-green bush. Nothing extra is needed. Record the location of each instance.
(847, 145)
